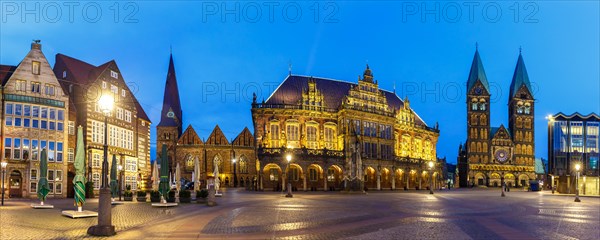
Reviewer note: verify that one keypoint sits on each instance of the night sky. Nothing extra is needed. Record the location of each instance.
(224, 52)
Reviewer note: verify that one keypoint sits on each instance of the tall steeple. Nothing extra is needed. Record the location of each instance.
(171, 114)
(477, 73)
(520, 78)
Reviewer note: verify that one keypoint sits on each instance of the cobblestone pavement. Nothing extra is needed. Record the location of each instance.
(454, 214)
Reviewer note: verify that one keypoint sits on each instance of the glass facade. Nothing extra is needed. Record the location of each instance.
(574, 139)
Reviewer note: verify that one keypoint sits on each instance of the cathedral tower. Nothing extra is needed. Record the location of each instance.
(521, 115)
(169, 129)
(478, 113)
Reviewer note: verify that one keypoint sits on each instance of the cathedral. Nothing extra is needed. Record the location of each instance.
(503, 153)
(235, 158)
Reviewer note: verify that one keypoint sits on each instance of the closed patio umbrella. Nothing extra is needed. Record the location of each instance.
(43, 189)
(177, 178)
(79, 180)
(155, 176)
(197, 175)
(114, 186)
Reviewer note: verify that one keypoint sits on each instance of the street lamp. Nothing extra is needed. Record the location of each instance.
(289, 185)
(502, 184)
(431, 177)
(577, 167)
(120, 168)
(104, 227)
(234, 174)
(3, 176)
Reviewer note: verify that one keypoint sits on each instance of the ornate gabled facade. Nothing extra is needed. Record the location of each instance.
(337, 132)
(128, 124)
(493, 154)
(34, 113)
(236, 159)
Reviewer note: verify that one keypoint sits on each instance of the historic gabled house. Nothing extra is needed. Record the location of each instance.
(128, 124)
(323, 123)
(493, 154)
(34, 117)
(236, 159)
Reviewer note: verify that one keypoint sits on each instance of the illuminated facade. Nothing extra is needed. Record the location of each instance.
(322, 124)
(236, 159)
(34, 117)
(573, 139)
(495, 153)
(128, 124)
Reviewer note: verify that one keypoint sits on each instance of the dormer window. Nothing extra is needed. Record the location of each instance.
(64, 75)
(114, 74)
(35, 67)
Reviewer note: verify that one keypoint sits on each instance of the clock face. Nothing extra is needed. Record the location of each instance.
(501, 155)
(478, 90)
(170, 114)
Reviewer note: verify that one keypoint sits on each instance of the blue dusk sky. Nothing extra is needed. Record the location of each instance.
(224, 51)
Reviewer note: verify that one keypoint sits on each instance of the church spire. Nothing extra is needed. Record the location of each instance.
(520, 77)
(171, 114)
(477, 73)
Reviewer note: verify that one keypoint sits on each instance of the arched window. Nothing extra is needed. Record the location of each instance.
(520, 107)
(243, 164)
(474, 104)
(527, 108)
(189, 163)
(482, 104)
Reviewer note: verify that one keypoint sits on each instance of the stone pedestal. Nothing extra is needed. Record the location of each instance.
(42, 206)
(104, 227)
(355, 185)
(211, 196)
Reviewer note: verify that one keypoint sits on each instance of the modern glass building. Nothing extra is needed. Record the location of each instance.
(573, 139)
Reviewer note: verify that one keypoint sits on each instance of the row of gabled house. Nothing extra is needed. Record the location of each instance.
(42, 108)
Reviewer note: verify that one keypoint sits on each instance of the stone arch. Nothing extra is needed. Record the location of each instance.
(495, 180)
(479, 179)
(273, 176)
(400, 178)
(334, 176)
(314, 175)
(509, 179)
(370, 177)
(386, 178)
(523, 180)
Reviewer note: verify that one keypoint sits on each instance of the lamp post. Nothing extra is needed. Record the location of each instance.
(502, 184)
(289, 185)
(3, 176)
(577, 167)
(431, 177)
(104, 227)
(120, 168)
(234, 174)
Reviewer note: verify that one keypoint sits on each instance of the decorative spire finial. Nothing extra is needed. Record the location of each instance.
(476, 46)
(290, 67)
(170, 49)
(520, 49)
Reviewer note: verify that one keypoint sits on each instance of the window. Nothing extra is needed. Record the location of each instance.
(35, 111)
(34, 149)
(273, 174)
(8, 109)
(58, 176)
(114, 74)
(274, 135)
(103, 85)
(49, 90)
(8, 121)
(35, 67)
(294, 173)
(51, 151)
(35, 87)
(7, 148)
(71, 128)
(20, 86)
(33, 187)
(96, 180)
(311, 137)
(50, 175)
(119, 113)
(243, 165)
(97, 132)
(58, 188)
(128, 116)
(95, 160)
(25, 149)
(131, 165)
(33, 174)
(64, 75)
(330, 137)
(114, 89)
(59, 151)
(292, 132)
(70, 154)
(123, 92)
(17, 148)
(312, 174)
